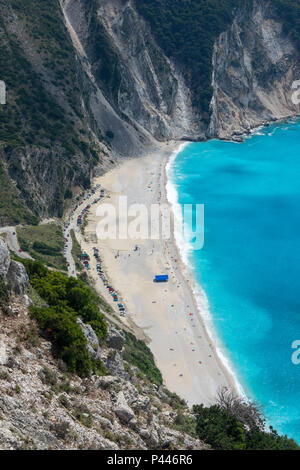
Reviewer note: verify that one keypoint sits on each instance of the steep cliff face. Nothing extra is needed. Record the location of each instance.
(130, 71)
(254, 67)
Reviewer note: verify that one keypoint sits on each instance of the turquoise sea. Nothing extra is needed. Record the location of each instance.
(249, 267)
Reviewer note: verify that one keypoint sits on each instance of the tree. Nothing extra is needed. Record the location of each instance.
(219, 429)
(245, 411)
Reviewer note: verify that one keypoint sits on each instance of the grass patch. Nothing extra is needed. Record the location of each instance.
(138, 354)
(84, 223)
(185, 424)
(76, 251)
(44, 243)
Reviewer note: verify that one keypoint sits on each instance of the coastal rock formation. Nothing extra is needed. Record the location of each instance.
(147, 96)
(254, 67)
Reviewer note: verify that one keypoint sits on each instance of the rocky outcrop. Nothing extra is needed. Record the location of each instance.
(255, 65)
(93, 345)
(115, 338)
(17, 278)
(123, 410)
(4, 258)
(13, 273)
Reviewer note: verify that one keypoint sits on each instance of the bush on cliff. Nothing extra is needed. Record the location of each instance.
(236, 424)
(4, 295)
(138, 354)
(67, 299)
(61, 328)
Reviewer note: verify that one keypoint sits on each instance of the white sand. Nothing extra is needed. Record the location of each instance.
(181, 346)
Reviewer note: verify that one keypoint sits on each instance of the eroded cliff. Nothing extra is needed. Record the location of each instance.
(254, 66)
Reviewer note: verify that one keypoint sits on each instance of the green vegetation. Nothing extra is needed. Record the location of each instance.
(76, 251)
(30, 117)
(84, 223)
(67, 299)
(139, 355)
(110, 134)
(185, 424)
(44, 243)
(83, 415)
(221, 429)
(40, 58)
(12, 209)
(4, 295)
(68, 194)
(289, 12)
(105, 55)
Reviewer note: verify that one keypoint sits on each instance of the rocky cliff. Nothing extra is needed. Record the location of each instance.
(254, 66)
(131, 73)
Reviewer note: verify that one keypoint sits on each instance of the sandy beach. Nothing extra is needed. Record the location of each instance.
(167, 313)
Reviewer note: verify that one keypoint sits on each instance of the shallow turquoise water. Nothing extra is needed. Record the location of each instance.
(250, 264)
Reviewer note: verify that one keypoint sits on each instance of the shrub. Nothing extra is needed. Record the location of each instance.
(4, 295)
(219, 427)
(61, 429)
(68, 194)
(67, 299)
(47, 376)
(185, 424)
(138, 354)
(110, 134)
(216, 427)
(60, 326)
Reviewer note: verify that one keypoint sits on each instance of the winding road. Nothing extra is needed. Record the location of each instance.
(72, 225)
(11, 239)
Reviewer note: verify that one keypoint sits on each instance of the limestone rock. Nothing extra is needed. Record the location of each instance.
(115, 365)
(123, 410)
(3, 354)
(115, 338)
(106, 381)
(17, 278)
(4, 258)
(93, 345)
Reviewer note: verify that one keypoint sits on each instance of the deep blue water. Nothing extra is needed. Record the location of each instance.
(250, 264)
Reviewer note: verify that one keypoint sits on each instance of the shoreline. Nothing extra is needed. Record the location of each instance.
(198, 292)
(184, 350)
